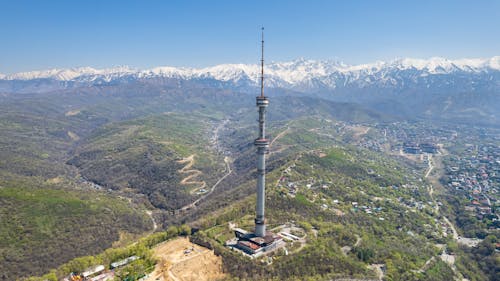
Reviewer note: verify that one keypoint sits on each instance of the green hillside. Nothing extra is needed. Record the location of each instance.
(385, 220)
(43, 227)
(146, 155)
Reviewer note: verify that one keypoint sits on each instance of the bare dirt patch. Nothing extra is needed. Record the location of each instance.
(181, 260)
(55, 180)
(359, 131)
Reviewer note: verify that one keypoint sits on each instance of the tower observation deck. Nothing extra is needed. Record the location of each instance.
(262, 144)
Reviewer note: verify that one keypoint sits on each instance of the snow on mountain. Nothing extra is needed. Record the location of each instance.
(298, 74)
(440, 65)
(69, 74)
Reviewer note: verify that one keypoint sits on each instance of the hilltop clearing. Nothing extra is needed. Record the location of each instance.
(181, 260)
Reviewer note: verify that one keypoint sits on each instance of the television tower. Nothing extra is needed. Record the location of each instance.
(262, 144)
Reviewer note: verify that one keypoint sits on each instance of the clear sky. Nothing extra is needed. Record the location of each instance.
(41, 34)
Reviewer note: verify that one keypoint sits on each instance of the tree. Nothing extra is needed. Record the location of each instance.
(184, 230)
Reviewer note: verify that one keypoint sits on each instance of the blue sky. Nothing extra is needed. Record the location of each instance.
(104, 33)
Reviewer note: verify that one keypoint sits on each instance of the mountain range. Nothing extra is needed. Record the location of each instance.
(300, 73)
(461, 89)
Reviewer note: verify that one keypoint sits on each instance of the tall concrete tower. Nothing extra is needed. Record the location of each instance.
(262, 144)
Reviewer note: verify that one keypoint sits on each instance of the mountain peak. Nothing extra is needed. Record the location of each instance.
(296, 74)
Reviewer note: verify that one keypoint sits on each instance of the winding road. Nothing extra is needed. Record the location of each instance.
(192, 173)
(227, 160)
(449, 259)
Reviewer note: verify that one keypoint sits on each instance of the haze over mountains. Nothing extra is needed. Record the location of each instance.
(465, 89)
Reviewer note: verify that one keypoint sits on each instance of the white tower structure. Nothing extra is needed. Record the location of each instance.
(262, 144)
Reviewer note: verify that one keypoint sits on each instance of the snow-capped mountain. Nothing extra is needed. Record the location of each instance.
(467, 89)
(299, 74)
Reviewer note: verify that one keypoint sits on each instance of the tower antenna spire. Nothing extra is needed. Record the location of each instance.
(262, 66)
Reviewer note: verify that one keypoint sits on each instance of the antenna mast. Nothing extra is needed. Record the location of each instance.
(262, 67)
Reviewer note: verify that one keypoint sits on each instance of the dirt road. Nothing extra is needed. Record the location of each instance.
(227, 160)
(192, 173)
(279, 136)
(431, 167)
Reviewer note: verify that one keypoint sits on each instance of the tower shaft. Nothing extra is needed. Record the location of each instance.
(262, 144)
